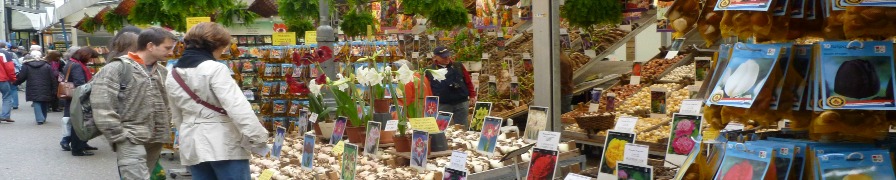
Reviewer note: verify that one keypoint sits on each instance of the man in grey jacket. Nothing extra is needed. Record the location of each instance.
(136, 119)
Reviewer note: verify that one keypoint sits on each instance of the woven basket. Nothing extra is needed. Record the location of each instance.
(100, 16)
(124, 8)
(264, 8)
(508, 2)
(596, 122)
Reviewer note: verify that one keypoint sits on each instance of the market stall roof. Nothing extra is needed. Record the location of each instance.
(25, 21)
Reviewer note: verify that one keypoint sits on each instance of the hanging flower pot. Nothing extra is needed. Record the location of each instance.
(403, 143)
(124, 8)
(356, 135)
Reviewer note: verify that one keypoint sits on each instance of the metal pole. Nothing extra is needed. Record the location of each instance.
(64, 34)
(546, 26)
(326, 36)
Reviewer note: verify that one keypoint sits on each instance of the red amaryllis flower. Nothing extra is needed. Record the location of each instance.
(297, 58)
(323, 53)
(742, 170)
(322, 79)
(296, 87)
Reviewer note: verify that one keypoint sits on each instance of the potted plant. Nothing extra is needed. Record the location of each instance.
(413, 107)
(324, 124)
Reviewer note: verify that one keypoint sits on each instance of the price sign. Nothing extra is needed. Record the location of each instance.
(635, 80)
(310, 37)
(391, 125)
(691, 107)
(284, 38)
(626, 124)
(313, 118)
(458, 160)
(193, 21)
(427, 124)
(635, 154)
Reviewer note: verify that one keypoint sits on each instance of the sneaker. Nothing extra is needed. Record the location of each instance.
(82, 153)
(7, 120)
(40, 123)
(65, 146)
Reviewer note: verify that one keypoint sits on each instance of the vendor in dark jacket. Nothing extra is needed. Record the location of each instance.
(39, 90)
(456, 91)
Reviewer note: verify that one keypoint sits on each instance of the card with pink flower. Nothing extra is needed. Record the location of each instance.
(685, 128)
(488, 137)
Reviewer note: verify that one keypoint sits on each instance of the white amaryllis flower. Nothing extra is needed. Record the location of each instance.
(375, 77)
(405, 75)
(361, 75)
(342, 83)
(315, 88)
(439, 74)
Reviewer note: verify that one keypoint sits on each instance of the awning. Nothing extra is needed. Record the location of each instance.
(24, 21)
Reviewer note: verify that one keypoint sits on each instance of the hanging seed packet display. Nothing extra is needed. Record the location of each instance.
(783, 156)
(349, 161)
(308, 152)
(743, 163)
(745, 74)
(614, 151)
(535, 122)
(480, 111)
(372, 142)
(626, 171)
(857, 75)
(685, 128)
(488, 138)
(856, 165)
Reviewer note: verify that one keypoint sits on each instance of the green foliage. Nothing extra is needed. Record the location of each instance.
(299, 15)
(88, 26)
(355, 23)
(586, 13)
(299, 26)
(113, 22)
(239, 12)
(150, 12)
(449, 16)
(418, 7)
(196, 8)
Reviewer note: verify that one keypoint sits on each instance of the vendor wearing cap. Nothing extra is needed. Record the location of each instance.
(456, 91)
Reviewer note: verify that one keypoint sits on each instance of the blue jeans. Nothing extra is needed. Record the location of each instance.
(460, 110)
(15, 96)
(40, 110)
(6, 90)
(222, 170)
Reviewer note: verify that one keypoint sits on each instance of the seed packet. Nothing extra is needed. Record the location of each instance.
(721, 62)
(802, 56)
(626, 171)
(728, 5)
(338, 130)
(268, 70)
(743, 163)
(256, 107)
(419, 149)
(783, 66)
(431, 106)
(614, 148)
(443, 119)
(480, 111)
(278, 142)
(267, 89)
(658, 100)
(302, 122)
(287, 70)
(784, 160)
(536, 121)
(276, 53)
(250, 95)
(745, 74)
(279, 106)
(248, 81)
(815, 149)
(488, 138)
(798, 155)
(689, 166)
(857, 75)
(372, 140)
(283, 88)
(848, 165)
(294, 107)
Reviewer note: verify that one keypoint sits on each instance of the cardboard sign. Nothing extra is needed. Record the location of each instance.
(635, 154)
(635, 80)
(284, 38)
(458, 160)
(391, 125)
(626, 124)
(691, 107)
(310, 37)
(427, 124)
(193, 21)
(548, 140)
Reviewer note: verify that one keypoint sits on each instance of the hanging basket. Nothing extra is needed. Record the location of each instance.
(124, 8)
(508, 2)
(264, 8)
(78, 24)
(100, 16)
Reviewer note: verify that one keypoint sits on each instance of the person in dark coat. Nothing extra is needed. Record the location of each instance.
(39, 74)
(77, 72)
(56, 63)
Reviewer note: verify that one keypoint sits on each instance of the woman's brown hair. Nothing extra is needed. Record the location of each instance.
(53, 55)
(85, 54)
(207, 36)
(122, 44)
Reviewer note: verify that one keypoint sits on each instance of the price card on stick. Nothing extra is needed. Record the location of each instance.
(313, 118)
(391, 125)
(458, 160)
(310, 37)
(574, 176)
(691, 107)
(634, 80)
(591, 53)
(635, 154)
(626, 124)
(548, 140)
(284, 38)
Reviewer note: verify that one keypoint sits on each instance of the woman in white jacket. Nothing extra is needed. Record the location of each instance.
(216, 126)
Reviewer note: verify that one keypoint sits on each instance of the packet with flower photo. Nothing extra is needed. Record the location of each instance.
(799, 157)
(783, 160)
(633, 172)
(685, 128)
(857, 75)
(488, 138)
(743, 162)
(745, 74)
(874, 164)
(543, 164)
(614, 151)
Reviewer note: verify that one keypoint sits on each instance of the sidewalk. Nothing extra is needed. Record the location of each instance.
(29, 151)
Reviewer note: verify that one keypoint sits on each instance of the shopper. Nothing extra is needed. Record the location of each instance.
(566, 85)
(213, 128)
(456, 91)
(66, 125)
(39, 90)
(77, 73)
(138, 125)
(7, 76)
(54, 58)
(119, 47)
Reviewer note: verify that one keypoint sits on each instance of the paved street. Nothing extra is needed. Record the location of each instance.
(29, 151)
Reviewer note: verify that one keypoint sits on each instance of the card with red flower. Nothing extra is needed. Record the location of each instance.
(431, 107)
(488, 138)
(745, 163)
(444, 119)
(542, 165)
(419, 149)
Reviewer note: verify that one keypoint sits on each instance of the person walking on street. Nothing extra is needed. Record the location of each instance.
(7, 76)
(456, 91)
(139, 123)
(212, 129)
(54, 58)
(77, 73)
(39, 74)
(66, 125)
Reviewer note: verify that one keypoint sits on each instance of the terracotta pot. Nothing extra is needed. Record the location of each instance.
(382, 105)
(326, 129)
(356, 135)
(403, 143)
(316, 129)
(386, 137)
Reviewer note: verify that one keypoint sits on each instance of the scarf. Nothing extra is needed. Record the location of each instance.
(193, 57)
(87, 72)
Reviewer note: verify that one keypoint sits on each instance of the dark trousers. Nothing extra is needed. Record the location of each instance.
(77, 144)
(222, 170)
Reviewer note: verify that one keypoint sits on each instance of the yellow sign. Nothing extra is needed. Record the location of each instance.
(193, 21)
(284, 38)
(427, 124)
(340, 146)
(267, 174)
(310, 37)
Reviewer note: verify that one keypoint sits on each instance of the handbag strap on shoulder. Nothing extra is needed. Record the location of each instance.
(180, 81)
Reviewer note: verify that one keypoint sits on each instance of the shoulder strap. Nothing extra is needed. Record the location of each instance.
(180, 81)
(125, 74)
(67, 72)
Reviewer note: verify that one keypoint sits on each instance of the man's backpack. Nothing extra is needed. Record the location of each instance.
(81, 111)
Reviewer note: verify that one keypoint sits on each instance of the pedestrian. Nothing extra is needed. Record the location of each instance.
(39, 90)
(56, 64)
(139, 123)
(7, 76)
(214, 128)
(66, 125)
(456, 91)
(77, 73)
(18, 53)
(566, 85)
(119, 48)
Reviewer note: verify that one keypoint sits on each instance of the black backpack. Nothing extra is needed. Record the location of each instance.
(81, 111)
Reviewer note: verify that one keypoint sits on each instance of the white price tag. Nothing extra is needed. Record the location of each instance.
(417, 37)
(313, 118)
(734, 127)
(590, 53)
(635, 80)
(635, 154)
(784, 124)
(458, 160)
(527, 56)
(415, 55)
(671, 54)
(548, 140)
(391, 125)
(485, 56)
(574, 176)
(626, 124)
(500, 33)
(428, 55)
(564, 31)
(691, 107)
(432, 37)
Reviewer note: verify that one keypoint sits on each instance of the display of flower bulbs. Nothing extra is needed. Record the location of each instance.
(679, 73)
(646, 128)
(674, 100)
(656, 67)
(640, 102)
